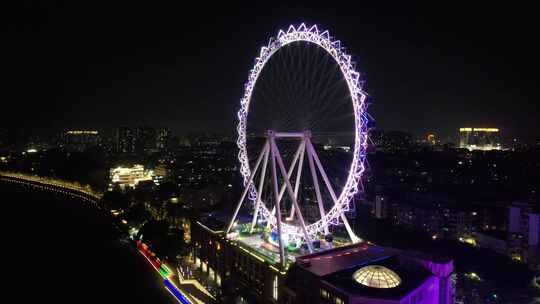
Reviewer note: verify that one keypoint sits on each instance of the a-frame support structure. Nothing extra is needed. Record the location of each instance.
(270, 152)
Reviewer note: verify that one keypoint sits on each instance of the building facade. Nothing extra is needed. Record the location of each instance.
(357, 273)
(484, 139)
(80, 140)
(129, 176)
(524, 233)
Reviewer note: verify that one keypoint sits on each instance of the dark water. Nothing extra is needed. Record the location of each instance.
(57, 250)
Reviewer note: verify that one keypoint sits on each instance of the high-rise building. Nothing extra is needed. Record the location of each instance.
(381, 207)
(523, 219)
(125, 140)
(146, 140)
(79, 140)
(162, 138)
(479, 139)
(390, 141)
(524, 233)
(142, 139)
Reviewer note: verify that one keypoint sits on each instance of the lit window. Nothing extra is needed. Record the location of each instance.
(338, 300)
(204, 267)
(275, 288)
(325, 294)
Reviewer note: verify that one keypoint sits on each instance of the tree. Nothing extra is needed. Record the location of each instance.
(137, 214)
(115, 200)
(166, 243)
(154, 233)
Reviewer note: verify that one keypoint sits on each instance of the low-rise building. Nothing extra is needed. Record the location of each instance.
(129, 176)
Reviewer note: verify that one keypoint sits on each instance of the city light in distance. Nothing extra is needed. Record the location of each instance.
(78, 132)
(478, 129)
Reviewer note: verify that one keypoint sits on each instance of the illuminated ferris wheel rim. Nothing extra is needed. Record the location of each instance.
(358, 98)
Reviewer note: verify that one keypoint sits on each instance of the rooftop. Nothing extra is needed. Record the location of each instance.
(377, 277)
(353, 268)
(333, 260)
(410, 279)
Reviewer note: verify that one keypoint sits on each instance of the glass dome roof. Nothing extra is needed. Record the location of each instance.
(377, 277)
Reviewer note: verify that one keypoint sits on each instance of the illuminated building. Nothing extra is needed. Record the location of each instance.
(479, 139)
(130, 176)
(355, 273)
(431, 139)
(161, 172)
(80, 140)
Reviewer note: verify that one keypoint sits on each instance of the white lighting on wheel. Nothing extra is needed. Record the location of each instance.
(358, 97)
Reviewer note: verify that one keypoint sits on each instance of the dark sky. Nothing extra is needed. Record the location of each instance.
(428, 68)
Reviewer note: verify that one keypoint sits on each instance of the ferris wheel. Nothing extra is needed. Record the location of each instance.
(290, 60)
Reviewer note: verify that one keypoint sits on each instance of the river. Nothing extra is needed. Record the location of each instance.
(60, 250)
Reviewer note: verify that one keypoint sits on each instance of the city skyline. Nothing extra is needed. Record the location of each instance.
(424, 71)
(285, 153)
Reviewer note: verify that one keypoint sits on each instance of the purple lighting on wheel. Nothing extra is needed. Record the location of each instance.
(358, 97)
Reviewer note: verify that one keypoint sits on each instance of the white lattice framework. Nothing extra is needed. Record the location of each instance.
(358, 97)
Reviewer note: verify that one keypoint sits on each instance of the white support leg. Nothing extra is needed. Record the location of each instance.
(298, 175)
(354, 238)
(317, 188)
(289, 173)
(247, 186)
(274, 148)
(259, 191)
(282, 257)
(311, 150)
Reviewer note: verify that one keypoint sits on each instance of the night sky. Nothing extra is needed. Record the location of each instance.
(428, 68)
